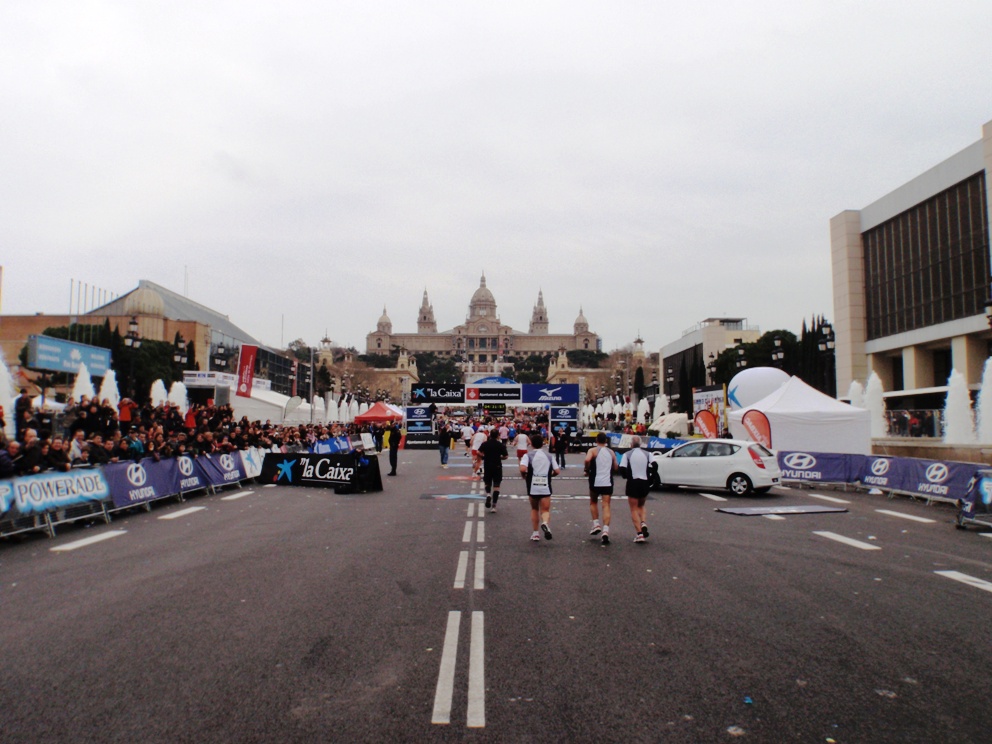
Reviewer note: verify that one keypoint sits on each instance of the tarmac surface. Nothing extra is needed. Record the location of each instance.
(282, 614)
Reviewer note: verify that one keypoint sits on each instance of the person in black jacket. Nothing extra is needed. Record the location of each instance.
(394, 447)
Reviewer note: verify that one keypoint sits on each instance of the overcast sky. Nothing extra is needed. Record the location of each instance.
(304, 164)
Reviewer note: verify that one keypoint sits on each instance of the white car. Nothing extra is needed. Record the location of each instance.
(740, 466)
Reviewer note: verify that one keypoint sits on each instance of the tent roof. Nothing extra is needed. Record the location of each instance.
(795, 396)
(378, 413)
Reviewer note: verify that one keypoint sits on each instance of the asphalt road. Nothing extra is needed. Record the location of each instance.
(280, 614)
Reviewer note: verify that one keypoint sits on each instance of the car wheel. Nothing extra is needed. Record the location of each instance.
(739, 484)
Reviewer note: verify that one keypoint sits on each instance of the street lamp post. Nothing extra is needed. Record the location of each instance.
(711, 368)
(132, 340)
(179, 356)
(741, 360)
(826, 347)
(778, 353)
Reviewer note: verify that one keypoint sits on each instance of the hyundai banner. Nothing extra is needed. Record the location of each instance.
(928, 478)
(191, 476)
(137, 482)
(35, 494)
(418, 413)
(550, 394)
(819, 467)
(222, 470)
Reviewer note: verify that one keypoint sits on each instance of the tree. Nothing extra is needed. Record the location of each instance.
(434, 368)
(639, 382)
(585, 358)
(299, 349)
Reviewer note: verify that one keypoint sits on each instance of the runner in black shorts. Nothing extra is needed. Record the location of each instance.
(493, 452)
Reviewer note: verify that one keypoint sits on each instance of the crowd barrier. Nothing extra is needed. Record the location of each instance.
(934, 480)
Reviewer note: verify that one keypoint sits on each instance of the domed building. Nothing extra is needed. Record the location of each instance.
(482, 345)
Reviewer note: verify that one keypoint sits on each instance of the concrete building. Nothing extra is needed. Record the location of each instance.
(482, 345)
(911, 276)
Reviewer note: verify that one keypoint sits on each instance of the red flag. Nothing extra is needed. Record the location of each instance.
(246, 370)
(705, 423)
(758, 427)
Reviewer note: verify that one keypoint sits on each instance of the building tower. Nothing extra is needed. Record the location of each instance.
(539, 318)
(425, 320)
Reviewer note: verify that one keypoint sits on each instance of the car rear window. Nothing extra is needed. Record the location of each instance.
(760, 450)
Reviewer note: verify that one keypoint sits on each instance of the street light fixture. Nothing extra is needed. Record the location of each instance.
(132, 340)
(179, 355)
(778, 353)
(220, 360)
(711, 368)
(741, 360)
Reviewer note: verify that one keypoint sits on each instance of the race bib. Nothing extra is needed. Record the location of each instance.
(539, 481)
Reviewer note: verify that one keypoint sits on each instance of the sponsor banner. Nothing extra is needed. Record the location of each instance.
(58, 355)
(482, 393)
(928, 478)
(552, 394)
(705, 423)
(820, 467)
(494, 409)
(222, 470)
(300, 469)
(251, 461)
(137, 482)
(560, 413)
(426, 392)
(419, 427)
(191, 475)
(757, 426)
(418, 413)
(246, 370)
(34, 494)
(709, 399)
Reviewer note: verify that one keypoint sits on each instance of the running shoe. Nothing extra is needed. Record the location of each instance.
(644, 530)
(640, 538)
(596, 529)
(546, 530)
(489, 501)
(536, 536)
(606, 538)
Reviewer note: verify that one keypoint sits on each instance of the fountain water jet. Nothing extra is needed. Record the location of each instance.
(856, 394)
(158, 393)
(82, 387)
(177, 397)
(875, 404)
(109, 390)
(7, 390)
(959, 419)
(985, 405)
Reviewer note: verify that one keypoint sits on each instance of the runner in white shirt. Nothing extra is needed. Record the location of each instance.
(635, 466)
(477, 439)
(537, 468)
(600, 464)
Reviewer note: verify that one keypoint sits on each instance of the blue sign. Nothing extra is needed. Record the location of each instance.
(39, 493)
(418, 413)
(551, 394)
(57, 355)
(137, 482)
(820, 467)
(559, 413)
(419, 427)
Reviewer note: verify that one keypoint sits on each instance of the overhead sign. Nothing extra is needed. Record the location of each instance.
(427, 392)
(483, 393)
(418, 413)
(58, 355)
(553, 394)
(564, 413)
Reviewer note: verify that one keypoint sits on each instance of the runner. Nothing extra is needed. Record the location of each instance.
(493, 452)
(521, 444)
(635, 466)
(477, 439)
(600, 464)
(537, 468)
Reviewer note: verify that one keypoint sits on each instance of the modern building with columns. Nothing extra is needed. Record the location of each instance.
(911, 281)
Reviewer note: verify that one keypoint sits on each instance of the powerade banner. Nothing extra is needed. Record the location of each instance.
(137, 482)
(327, 471)
(820, 467)
(222, 470)
(552, 394)
(58, 355)
(47, 491)
(426, 393)
(480, 393)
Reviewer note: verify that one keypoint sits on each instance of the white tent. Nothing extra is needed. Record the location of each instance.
(677, 423)
(803, 418)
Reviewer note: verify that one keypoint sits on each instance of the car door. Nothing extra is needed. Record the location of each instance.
(680, 467)
(717, 464)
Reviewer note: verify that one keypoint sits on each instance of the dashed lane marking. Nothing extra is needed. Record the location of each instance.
(183, 512)
(467, 534)
(446, 675)
(914, 518)
(88, 541)
(847, 541)
(461, 570)
(966, 579)
(832, 499)
(235, 496)
(712, 497)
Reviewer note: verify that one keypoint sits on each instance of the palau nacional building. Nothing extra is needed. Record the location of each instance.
(911, 282)
(482, 345)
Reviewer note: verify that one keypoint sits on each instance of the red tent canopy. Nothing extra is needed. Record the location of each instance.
(379, 413)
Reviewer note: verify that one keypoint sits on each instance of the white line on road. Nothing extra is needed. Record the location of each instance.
(966, 579)
(461, 570)
(183, 512)
(775, 517)
(985, 534)
(847, 541)
(467, 534)
(832, 499)
(476, 675)
(235, 496)
(88, 541)
(481, 533)
(446, 675)
(907, 516)
(480, 570)
(471, 510)
(712, 497)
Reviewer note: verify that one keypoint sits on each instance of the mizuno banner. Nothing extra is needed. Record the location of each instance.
(553, 394)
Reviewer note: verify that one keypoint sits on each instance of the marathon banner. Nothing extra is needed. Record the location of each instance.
(246, 370)
(191, 475)
(418, 413)
(426, 393)
(222, 470)
(820, 467)
(137, 482)
(326, 471)
(927, 478)
(482, 393)
(34, 494)
(550, 394)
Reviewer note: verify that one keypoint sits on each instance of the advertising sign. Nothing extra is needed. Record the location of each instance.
(340, 472)
(494, 409)
(426, 393)
(418, 413)
(35, 494)
(709, 399)
(483, 393)
(705, 423)
(58, 355)
(821, 467)
(246, 370)
(758, 428)
(552, 394)
(222, 470)
(137, 482)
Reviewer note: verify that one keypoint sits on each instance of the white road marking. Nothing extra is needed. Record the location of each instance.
(471, 510)
(467, 534)
(476, 674)
(907, 516)
(480, 570)
(985, 534)
(183, 512)
(269, 485)
(461, 570)
(480, 535)
(88, 541)
(235, 496)
(847, 541)
(966, 579)
(773, 516)
(832, 499)
(712, 497)
(446, 675)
